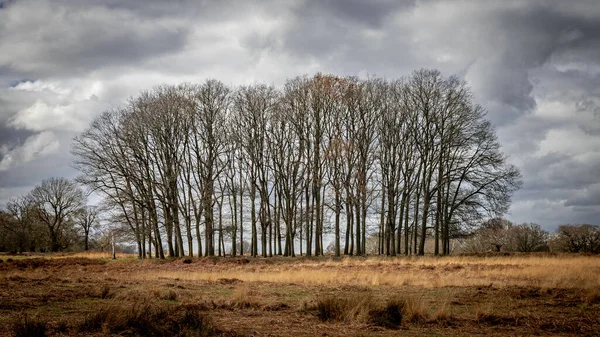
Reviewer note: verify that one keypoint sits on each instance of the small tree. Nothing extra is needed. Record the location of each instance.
(87, 220)
(530, 237)
(495, 234)
(57, 202)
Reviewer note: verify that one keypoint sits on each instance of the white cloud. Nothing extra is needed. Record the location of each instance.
(37, 146)
(60, 106)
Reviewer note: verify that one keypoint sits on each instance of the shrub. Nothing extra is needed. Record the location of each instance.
(442, 315)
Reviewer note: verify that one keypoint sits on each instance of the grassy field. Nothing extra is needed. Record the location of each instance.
(487, 295)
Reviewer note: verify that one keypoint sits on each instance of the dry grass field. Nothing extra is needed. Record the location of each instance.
(485, 295)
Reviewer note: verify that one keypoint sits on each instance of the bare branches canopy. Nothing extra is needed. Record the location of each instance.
(194, 166)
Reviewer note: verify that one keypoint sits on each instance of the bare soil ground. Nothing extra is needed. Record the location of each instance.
(517, 295)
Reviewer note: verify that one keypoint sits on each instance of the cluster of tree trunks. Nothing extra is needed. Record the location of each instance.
(189, 167)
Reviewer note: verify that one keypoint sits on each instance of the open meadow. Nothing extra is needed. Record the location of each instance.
(486, 295)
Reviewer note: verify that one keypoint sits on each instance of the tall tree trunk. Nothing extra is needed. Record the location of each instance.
(309, 224)
(338, 204)
(381, 235)
(254, 245)
(358, 227)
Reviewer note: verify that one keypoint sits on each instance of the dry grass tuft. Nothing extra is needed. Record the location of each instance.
(276, 307)
(494, 320)
(168, 295)
(442, 315)
(243, 298)
(484, 315)
(229, 281)
(414, 309)
(390, 316)
(330, 309)
(592, 296)
(27, 327)
(105, 293)
(348, 308)
(365, 309)
(148, 320)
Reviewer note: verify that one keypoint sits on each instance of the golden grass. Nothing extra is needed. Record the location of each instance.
(430, 272)
(373, 294)
(243, 297)
(542, 271)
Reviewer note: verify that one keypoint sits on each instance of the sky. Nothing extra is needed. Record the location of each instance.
(533, 65)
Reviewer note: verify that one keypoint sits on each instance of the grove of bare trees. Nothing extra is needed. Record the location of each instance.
(190, 169)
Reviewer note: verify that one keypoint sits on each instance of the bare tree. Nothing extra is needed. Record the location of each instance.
(254, 106)
(209, 144)
(530, 237)
(57, 201)
(87, 220)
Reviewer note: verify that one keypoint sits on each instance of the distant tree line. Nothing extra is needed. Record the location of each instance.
(193, 169)
(500, 235)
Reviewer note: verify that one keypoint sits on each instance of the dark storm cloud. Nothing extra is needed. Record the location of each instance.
(37, 170)
(59, 38)
(497, 46)
(346, 36)
(560, 171)
(10, 137)
(587, 197)
(353, 12)
(527, 38)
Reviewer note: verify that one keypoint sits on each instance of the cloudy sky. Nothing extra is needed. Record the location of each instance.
(534, 65)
